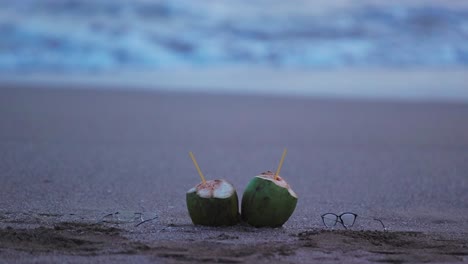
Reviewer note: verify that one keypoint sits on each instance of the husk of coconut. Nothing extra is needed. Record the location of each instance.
(268, 201)
(213, 203)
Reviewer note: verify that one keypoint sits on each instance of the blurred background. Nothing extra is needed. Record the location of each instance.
(398, 49)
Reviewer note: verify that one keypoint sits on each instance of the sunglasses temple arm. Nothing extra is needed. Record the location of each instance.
(380, 221)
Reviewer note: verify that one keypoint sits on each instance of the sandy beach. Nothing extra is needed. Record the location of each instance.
(69, 158)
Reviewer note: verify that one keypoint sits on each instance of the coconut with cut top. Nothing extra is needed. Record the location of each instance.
(268, 201)
(213, 203)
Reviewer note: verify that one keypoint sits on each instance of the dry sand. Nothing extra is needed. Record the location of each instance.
(70, 157)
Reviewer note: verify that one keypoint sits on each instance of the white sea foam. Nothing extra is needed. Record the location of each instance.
(108, 35)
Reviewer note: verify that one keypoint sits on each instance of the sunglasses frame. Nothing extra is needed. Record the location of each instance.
(339, 219)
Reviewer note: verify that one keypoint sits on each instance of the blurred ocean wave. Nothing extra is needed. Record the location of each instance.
(100, 36)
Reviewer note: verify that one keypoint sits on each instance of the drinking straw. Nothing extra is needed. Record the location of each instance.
(196, 166)
(281, 163)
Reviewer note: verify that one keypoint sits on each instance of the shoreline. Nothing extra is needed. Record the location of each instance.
(412, 85)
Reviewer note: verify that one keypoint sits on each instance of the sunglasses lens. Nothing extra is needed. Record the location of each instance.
(329, 220)
(348, 219)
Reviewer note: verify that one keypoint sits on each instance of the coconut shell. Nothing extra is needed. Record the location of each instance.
(267, 202)
(209, 207)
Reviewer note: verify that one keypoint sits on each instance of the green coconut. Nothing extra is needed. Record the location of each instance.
(268, 202)
(213, 203)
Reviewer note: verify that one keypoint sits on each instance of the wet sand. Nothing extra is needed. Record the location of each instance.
(70, 157)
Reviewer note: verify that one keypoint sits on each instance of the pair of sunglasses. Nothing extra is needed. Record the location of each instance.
(347, 220)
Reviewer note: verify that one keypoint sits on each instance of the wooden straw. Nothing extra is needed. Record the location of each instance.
(196, 166)
(280, 164)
